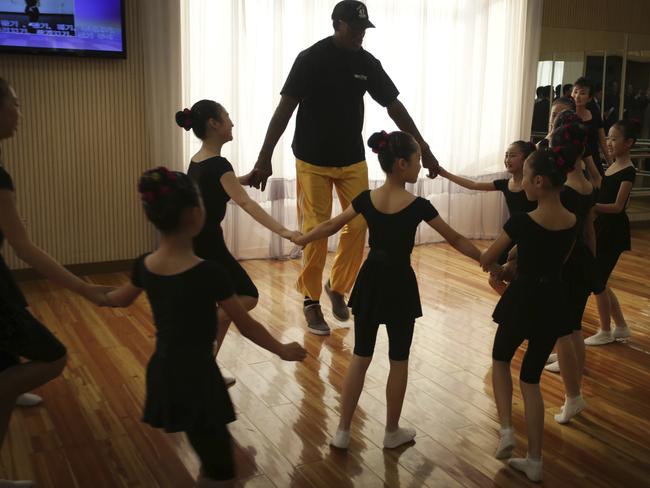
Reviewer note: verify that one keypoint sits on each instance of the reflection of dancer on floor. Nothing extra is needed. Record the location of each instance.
(185, 389)
(218, 183)
(386, 290)
(613, 228)
(515, 197)
(531, 307)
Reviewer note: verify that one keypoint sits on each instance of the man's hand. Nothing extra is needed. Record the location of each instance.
(261, 173)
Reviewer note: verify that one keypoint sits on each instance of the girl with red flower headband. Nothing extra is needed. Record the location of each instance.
(185, 391)
(386, 290)
(568, 141)
(533, 306)
(218, 183)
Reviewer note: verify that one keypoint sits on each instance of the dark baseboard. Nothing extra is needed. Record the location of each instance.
(79, 269)
(640, 224)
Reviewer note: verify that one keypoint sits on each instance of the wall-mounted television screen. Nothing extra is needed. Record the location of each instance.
(77, 27)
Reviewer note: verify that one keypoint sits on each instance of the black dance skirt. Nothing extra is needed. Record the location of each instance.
(386, 291)
(534, 305)
(185, 391)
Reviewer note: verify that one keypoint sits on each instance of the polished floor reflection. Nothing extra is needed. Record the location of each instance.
(88, 432)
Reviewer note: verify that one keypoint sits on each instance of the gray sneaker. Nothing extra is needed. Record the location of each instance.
(315, 320)
(339, 307)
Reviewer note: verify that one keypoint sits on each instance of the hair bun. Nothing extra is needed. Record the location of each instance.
(378, 141)
(184, 118)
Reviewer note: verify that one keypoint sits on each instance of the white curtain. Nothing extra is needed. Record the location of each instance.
(465, 70)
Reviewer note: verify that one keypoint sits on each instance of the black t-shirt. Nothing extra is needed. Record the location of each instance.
(207, 175)
(9, 290)
(393, 234)
(541, 253)
(183, 304)
(612, 183)
(516, 201)
(329, 83)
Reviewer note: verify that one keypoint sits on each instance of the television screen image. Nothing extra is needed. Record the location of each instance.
(38, 17)
(86, 27)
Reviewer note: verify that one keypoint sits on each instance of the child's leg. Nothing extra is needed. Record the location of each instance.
(603, 301)
(579, 349)
(539, 348)
(506, 342)
(534, 409)
(617, 313)
(531, 370)
(223, 321)
(571, 372)
(365, 335)
(352, 387)
(400, 337)
(568, 365)
(605, 264)
(395, 391)
(502, 386)
(213, 446)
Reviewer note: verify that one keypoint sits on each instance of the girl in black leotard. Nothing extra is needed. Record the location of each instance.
(21, 334)
(185, 389)
(516, 200)
(386, 290)
(218, 184)
(532, 307)
(579, 198)
(613, 228)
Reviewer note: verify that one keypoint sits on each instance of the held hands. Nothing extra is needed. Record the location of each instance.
(98, 294)
(292, 352)
(261, 173)
(300, 240)
(509, 270)
(430, 162)
(290, 235)
(245, 180)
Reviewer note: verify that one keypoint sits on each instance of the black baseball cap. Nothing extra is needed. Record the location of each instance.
(352, 12)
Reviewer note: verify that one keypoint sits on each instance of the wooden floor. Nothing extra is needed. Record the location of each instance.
(88, 432)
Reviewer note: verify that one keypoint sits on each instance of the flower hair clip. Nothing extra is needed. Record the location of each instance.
(382, 143)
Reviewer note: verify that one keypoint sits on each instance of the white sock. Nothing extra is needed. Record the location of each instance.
(398, 437)
(551, 358)
(28, 400)
(531, 467)
(621, 332)
(341, 439)
(601, 338)
(506, 443)
(571, 408)
(16, 484)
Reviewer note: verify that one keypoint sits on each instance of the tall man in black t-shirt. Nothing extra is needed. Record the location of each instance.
(327, 83)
